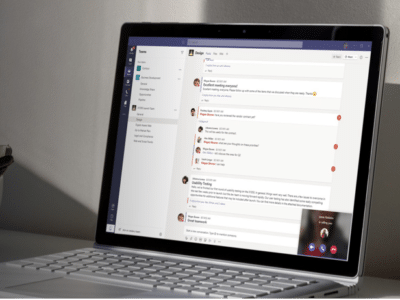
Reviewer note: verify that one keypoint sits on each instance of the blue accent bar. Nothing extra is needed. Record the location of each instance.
(248, 43)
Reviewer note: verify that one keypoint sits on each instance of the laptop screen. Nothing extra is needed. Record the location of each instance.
(250, 144)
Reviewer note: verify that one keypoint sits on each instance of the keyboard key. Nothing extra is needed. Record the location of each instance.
(171, 281)
(154, 268)
(167, 286)
(18, 263)
(212, 281)
(175, 276)
(49, 269)
(201, 292)
(219, 295)
(34, 266)
(186, 289)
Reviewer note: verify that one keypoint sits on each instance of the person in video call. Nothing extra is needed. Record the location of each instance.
(200, 129)
(324, 233)
(196, 82)
(199, 139)
(185, 179)
(198, 150)
(181, 218)
(192, 112)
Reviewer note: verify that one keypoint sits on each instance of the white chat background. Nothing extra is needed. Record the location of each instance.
(277, 150)
(260, 192)
(269, 92)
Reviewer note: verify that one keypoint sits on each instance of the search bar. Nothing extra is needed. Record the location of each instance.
(244, 43)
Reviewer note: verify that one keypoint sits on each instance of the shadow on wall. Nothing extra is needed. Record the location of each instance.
(383, 247)
(33, 205)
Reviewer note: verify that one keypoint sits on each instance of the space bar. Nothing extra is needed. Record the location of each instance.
(108, 278)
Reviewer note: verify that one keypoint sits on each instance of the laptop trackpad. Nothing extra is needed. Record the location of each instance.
(70, 288)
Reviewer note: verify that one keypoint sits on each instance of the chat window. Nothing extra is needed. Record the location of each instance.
(324, 234)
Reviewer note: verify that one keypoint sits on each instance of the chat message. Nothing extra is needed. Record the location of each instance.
(259, 192)
(242, 223)
(271, 92)
(269, 144)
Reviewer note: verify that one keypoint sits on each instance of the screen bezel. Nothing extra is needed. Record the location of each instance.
(349, 268)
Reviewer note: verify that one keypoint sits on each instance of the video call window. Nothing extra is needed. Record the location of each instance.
(324, 234)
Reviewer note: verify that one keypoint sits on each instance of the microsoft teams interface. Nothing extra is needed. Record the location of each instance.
(251, 144)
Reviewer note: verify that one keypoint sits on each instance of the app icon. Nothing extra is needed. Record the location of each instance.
(133, 48)
(137, 77)
(191, 52)
(138, 68)
(130, 59)
(311, 247)
(345, 46)
(322, 248)
(333, 249)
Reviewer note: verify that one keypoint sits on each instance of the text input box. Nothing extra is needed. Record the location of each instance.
(271, 68)
(242, 236)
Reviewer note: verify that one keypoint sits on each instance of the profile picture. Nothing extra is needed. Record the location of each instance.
(191, 52)
(197, 160)
(192, 112)
(133, 107)
(199, 139)
(196, 82)
(185, 179)
(200, 129)
(198, 150)
(345, 46)
(181, 218)
(324, 233)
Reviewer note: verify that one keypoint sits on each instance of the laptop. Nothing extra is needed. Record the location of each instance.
(239, 164)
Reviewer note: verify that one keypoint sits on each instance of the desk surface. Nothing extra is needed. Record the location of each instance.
(18, 245)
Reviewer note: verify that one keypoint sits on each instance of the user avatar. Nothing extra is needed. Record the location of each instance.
(196, 82)
(198, 150)
(133, 107)
(199, 139)
(191, 52)
(324, 233)
(181, 218)
(200, 129)
(192, 112)
(185, 179)
(197, 160)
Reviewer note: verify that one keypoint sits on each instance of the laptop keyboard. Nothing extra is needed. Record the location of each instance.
(152, 272)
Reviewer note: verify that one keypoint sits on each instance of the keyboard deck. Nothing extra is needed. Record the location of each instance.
(200, 279)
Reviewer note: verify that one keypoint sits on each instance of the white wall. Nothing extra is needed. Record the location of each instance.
(57, 64)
